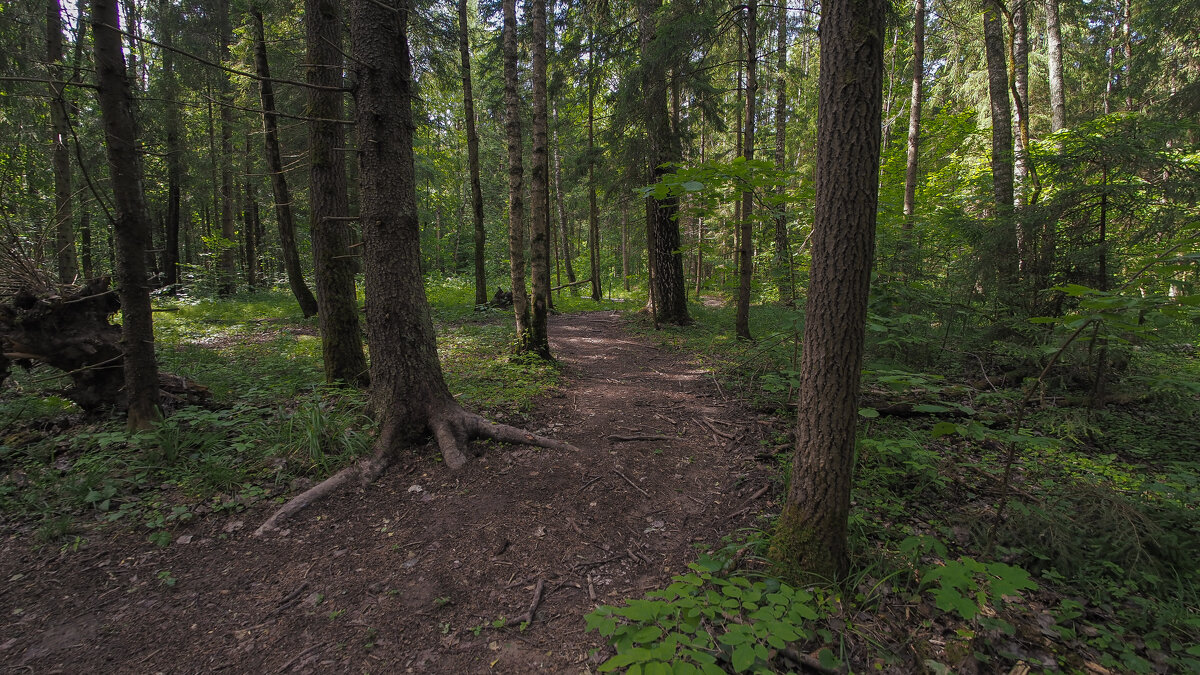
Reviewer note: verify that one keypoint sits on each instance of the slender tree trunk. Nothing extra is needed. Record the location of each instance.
(700, 225)
(85, 240)
(1127, 44)
(666, 279)
(248, 204)
(811, 534)
(1028, 186)
(738, 150)
(228, 258)
(625, 242)
(132, 225)
(464, 51)
(1004, 236)
(907, 245)
(1058, 105)
(64, 228)
(516, 179)
(174, 149)
(329, 205)
(539, 188)
(563, 237)
(1019, 82)
(746, 254)
(783, 249)
(279, 186)
(593, 215)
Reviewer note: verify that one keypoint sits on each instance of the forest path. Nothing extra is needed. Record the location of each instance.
(426, 570)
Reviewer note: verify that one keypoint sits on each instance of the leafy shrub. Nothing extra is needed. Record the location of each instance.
(703, 622)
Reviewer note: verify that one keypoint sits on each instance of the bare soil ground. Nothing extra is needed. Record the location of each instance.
(427, 570)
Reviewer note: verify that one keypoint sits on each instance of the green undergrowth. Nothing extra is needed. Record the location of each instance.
(1092, 566)
(272, 425)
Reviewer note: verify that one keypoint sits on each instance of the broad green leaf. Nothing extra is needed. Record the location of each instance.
(743, 657)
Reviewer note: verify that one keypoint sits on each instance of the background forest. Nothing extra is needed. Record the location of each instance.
(1025, 478)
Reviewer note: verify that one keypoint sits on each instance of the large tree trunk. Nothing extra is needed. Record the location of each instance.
(132, 225)
(1058, 102)
(812, 531)
(227, 262)
(1004, 239)
(666, 278)
(279, 186)
(783, 249)
(329, 205)
(746, 254)
(64, 228)
(907, 245)
(516, 179)
(464, 50)
(408, 391)
(539, 189)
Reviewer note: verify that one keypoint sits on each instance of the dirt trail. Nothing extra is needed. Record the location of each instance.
(425, 571)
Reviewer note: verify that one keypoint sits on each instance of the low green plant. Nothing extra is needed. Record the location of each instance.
(703, 622)
(964, 585)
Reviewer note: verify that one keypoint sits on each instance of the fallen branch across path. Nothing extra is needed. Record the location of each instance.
(648, 437)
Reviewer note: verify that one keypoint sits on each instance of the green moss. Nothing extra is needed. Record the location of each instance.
(801, 551)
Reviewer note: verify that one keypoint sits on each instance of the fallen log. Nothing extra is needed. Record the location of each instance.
(573, 283)
(70, 330)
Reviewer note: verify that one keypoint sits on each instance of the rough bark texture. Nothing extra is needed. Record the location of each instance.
(464, 52)
(669, 296)
(539, 188)
(783, 249)
(279, 186)
(409, 394)
(516, 179)
(812, 530)
(60, 158)
(914, 128)
(1058, 103)
(329, 205)
(746, 252)
(131, 229)
(227, 262)
(1004, 234)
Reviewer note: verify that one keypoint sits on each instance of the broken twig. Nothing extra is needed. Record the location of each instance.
(635, 485)
(537, 600)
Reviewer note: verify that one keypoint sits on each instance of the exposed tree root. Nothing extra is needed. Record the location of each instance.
(452, 426)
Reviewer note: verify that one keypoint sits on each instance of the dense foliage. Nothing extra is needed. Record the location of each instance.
(1027, 455)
